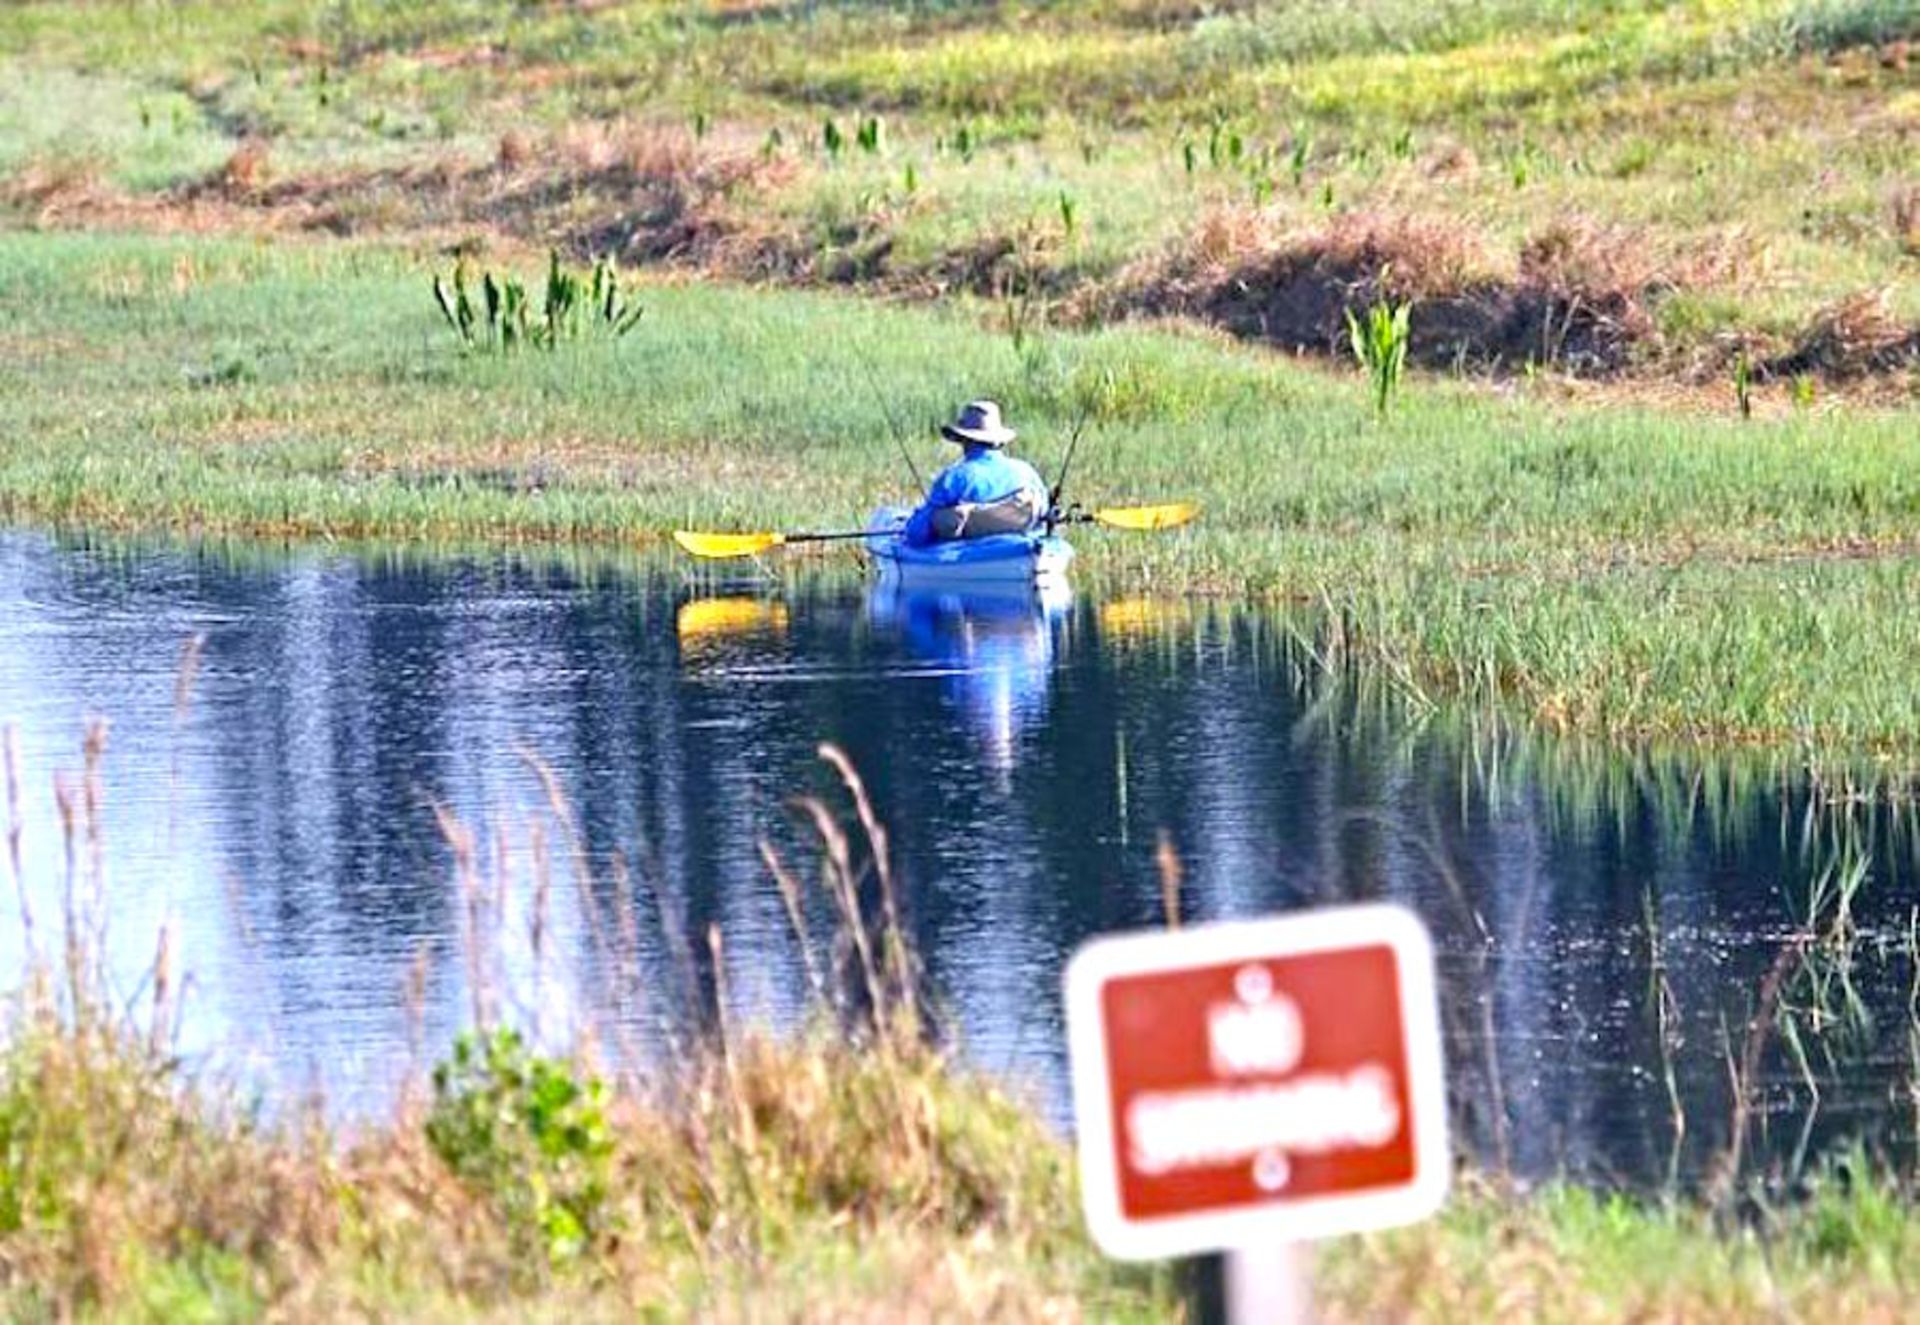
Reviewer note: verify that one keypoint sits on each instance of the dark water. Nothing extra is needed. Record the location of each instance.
(1621, 941)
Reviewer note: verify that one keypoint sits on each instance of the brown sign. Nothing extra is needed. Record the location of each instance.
(1257, 1082)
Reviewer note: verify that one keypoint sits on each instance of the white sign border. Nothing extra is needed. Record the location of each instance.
(1330, 929)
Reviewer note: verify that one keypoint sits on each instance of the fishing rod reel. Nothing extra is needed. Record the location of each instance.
(1057, 515)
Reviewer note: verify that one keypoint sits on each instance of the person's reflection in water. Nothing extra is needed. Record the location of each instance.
(996, 648)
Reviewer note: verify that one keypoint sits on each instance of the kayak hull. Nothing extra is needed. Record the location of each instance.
(1030, 558)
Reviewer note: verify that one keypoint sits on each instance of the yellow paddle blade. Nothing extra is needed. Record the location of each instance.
(726, 545)
(1170, 516)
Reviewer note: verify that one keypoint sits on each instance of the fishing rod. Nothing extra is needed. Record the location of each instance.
(893, 426)
(1054, 514)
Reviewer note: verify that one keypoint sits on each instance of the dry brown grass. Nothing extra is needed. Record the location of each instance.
(1578, 295)
(1903, 212)
(247, 170)
(637, 191)
(1852, 338)
(1583, 259)
(516, 150)
(58, 190)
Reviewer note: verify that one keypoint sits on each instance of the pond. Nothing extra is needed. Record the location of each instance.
(1651, 969)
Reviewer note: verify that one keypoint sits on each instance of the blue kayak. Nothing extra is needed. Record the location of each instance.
(1032, 557)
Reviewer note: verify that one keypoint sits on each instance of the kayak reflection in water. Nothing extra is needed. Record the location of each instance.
(995, 645)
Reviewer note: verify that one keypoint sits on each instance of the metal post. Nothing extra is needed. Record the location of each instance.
(1268, 1287)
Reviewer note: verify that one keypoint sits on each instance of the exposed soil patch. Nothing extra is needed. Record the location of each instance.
(641, 194)
(1856, 337)
(53, 192)
(1579, 297)
(656, 196)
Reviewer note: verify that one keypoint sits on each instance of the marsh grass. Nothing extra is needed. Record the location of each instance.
(1603, 568)
(1565, 1254)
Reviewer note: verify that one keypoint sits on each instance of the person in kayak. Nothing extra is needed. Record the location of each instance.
(986, 491)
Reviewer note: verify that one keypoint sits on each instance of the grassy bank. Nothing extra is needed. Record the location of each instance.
(1605, 187)
(1606, 567)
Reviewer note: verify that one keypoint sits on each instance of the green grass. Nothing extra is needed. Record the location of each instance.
(1607, 568)
(1842, 1252)
(1752, 145)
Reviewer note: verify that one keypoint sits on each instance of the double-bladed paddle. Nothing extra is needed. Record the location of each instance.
(720, 545)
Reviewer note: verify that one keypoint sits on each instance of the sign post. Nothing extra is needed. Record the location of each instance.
(1248, 1086)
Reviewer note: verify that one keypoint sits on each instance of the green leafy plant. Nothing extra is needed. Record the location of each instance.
(505, 319)
(506, 305)
(1743, 383)
(530, 1134)
(1297, 159)
(832, 139)
(1379, 342)
(870, 135)
(456, 305)
(1069, 212)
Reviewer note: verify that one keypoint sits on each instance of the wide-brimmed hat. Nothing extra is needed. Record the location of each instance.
(978, 422)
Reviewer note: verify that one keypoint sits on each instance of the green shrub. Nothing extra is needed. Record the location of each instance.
(1380, 346)
(528, 1133)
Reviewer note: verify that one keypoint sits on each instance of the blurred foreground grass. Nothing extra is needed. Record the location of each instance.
(852, 1169)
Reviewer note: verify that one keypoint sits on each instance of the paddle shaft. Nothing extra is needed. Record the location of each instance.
(843, 533)
(1062, 517)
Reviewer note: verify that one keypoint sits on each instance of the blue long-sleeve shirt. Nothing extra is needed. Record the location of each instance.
(982, 475)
